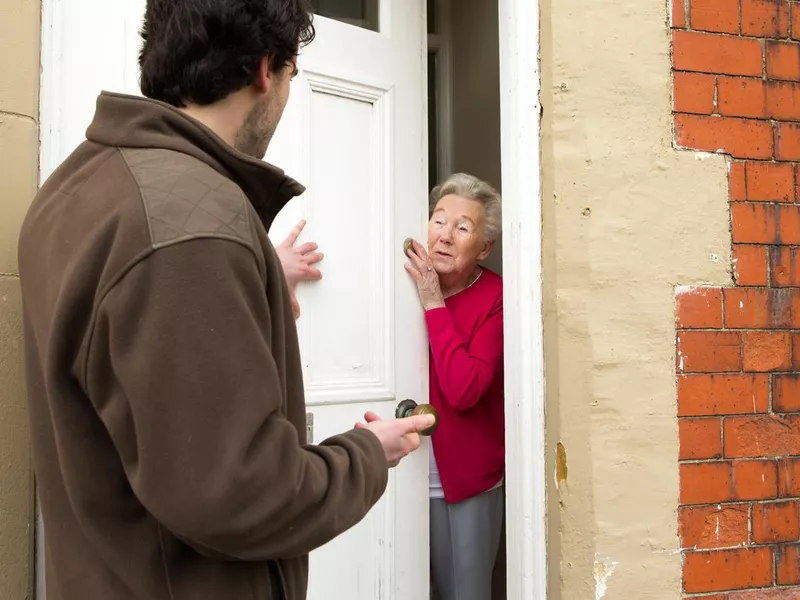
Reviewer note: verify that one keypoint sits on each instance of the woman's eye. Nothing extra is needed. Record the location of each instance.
(464, 229)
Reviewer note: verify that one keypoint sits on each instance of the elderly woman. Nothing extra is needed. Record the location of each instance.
(463, 305)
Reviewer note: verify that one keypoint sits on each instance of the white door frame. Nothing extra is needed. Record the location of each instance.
(526, 484)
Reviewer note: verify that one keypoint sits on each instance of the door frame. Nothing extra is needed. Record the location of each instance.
(526, 478)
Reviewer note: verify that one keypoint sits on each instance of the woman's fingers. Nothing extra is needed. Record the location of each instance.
(420, 251)
(418, 261)
(414, 272)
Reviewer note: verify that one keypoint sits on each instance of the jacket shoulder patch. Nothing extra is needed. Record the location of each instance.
(184, 198)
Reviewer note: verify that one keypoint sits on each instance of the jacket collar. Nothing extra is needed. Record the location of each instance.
(134, 122)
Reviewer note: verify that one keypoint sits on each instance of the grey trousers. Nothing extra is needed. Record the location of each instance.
(464, 543)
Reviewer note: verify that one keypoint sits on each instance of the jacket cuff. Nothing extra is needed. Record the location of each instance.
(378, 472)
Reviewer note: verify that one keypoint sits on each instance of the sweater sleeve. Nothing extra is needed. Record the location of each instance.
(182, 373)
(466, 372)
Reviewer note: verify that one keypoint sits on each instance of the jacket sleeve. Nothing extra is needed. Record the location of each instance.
(465, 373)
(182, 373)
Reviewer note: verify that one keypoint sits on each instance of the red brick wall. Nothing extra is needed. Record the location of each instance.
(736, 69)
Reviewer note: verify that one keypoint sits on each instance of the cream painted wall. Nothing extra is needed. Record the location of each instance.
(626, 219)
(19, 89)
(476, 95)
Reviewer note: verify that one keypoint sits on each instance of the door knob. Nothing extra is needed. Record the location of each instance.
(408, 408)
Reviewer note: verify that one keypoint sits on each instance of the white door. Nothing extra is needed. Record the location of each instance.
(354, 134)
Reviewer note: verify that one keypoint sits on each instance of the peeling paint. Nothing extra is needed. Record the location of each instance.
(602, 571)
(562, 470)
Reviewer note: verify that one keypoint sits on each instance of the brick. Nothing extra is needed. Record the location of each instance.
(737, 185)
(787, 564)
(796, 351)
(713, 571)
(760, 223)
(783, 100)
(776, 522)
(787, 141)
(769, 181)
(713, 53)
(761, 436)
(741, 97)
(741, 138)
(795, 20)
(789, 477)
(750, 265)
(783, 19)
(705, 483)
(783, 60)
(751, 308)
(698, 307)
(764, 351)
(678, 12)
(775, 594)
(754, 480)
(704, 527)
(786, 393)
(784, 262)
(765, 18)
(700, 438)
(693, 92)
(714, 15)
(711, 395)
(709, 351)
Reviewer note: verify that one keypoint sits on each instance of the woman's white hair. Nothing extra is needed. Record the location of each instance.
(468, 186)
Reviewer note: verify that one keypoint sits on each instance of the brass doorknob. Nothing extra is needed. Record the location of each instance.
(408, 408)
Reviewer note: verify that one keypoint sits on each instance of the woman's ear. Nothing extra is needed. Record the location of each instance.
(487, 249)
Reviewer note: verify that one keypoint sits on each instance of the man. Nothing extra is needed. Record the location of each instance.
(165, 386)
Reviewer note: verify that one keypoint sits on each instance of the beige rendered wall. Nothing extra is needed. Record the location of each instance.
(626, 219)
(19, 87)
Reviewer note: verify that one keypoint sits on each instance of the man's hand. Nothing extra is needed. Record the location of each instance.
(297, 262)
(399, 437)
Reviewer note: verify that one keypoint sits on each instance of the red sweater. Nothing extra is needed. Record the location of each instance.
(466, 386)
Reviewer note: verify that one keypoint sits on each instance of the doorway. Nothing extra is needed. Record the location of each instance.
(464, 133)
(64, 114)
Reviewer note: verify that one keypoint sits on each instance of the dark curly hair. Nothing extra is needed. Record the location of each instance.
(200, 51)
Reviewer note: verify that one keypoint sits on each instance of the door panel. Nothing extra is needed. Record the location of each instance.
(354, 134)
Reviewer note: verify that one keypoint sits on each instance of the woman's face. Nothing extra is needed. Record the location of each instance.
(456, 239)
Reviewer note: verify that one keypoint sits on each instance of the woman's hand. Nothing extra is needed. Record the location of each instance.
(297, 262)
(426, 278)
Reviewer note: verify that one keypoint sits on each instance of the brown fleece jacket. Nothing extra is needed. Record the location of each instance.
(165, 384)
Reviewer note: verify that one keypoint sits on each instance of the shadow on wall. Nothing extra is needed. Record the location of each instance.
(571, 516)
